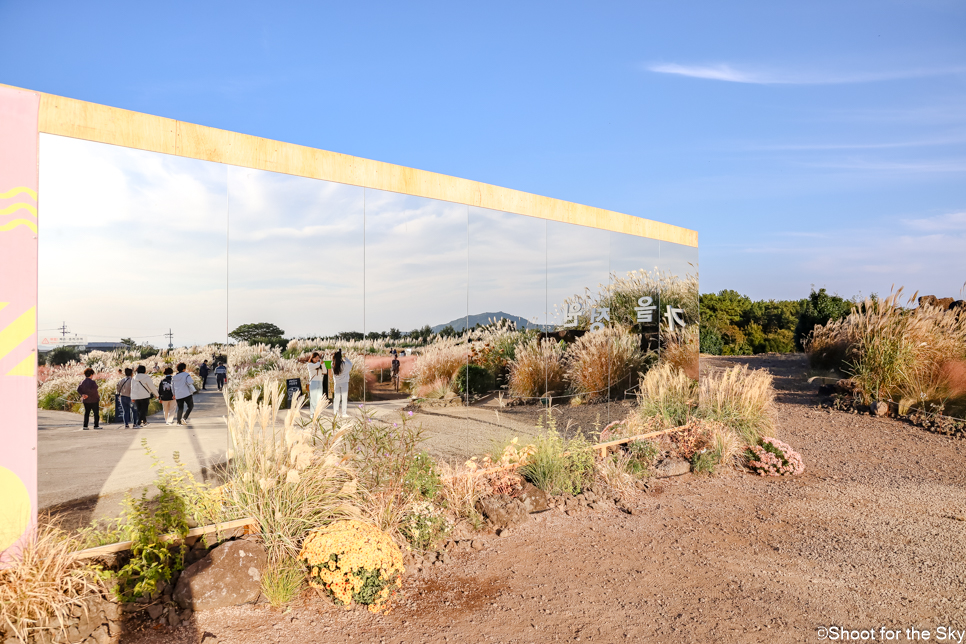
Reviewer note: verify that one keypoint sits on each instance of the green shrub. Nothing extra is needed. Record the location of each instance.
(710, 342)
(473, 379)
(423, 477)
(781, 341)
(63, 355)
(558, 465)
(704, 462)
(643, 452)
(425, 526)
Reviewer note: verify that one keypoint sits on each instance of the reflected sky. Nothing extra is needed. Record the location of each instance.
(296, 253)
(131, 243)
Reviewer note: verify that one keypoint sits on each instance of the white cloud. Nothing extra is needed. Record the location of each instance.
(728, 73)
(131, 243)
(951, 222)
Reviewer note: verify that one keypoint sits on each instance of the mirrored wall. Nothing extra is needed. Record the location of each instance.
(486, 325)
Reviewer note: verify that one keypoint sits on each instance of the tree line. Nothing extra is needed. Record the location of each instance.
(733, 324)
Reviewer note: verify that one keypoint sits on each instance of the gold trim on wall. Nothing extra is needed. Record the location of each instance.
(92, 122)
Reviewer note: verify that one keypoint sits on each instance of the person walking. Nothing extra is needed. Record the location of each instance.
(142, 388)
(221, 375)
(123, 392)
(184, 389)
(203, 372)
(317, 378)
(91, 398)
(340, 374)
(395, 370)
(166, 396)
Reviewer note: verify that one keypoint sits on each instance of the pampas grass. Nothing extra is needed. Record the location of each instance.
(740, 398)
(537, 368)
(438, 362)
(894, 353)
(668, 395)
(603, 359)
(681, 349)
(462, 488)
(277, 477)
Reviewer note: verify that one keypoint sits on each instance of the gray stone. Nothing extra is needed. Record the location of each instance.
(101, 635)
(502, 511)
(879, 408)
(155, 611)
(533, 498)
(672, 466)
(229, 575)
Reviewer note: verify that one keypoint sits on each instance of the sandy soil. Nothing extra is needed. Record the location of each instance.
(870, 536)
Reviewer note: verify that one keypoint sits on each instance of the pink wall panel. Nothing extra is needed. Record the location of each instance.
(19, 138)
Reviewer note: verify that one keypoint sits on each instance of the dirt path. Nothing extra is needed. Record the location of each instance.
(870, 536)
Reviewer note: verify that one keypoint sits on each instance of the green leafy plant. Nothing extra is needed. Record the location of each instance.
(558, 465)
(282, 581)
(423, 477)
(472, 379)
(425, 526)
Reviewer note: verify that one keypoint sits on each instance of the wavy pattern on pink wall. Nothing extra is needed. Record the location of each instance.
(19, 138)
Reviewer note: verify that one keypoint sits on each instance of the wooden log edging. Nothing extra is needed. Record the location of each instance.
(193, 532)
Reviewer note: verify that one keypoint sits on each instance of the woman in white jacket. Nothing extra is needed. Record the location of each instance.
(317, 375)
(184, 389)
(142, 388)
(340, 374)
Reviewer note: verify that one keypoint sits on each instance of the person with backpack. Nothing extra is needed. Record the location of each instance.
(123, 393)
(142, 390)
(166, 396)
(203, 372)
(91, 398)
(340, 374)
(184, 389)
(221, 375)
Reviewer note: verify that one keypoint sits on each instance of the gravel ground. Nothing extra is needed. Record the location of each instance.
(870, 536)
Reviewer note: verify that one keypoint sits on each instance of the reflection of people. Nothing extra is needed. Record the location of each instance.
(166, 396)
(395, 370)
(221, 375)
(203, 372)
(141, 391)
(340, 374)
(91, 398)
(123, 392)
(184, 388)
(317, 380)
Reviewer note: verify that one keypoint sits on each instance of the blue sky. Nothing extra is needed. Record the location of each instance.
(809, 143)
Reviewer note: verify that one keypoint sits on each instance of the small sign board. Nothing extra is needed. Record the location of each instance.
(293, 387)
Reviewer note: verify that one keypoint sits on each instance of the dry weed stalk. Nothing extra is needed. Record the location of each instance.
(42, 583)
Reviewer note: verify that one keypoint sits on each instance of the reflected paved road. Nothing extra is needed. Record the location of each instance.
(75, 464)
